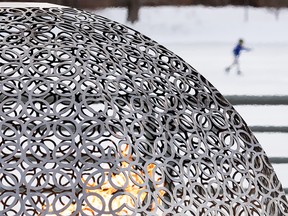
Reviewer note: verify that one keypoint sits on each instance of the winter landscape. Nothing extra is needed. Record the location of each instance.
(204, 37)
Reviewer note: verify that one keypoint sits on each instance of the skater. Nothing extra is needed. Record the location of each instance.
(236, 53)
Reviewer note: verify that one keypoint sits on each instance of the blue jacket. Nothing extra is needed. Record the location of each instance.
(238, 48)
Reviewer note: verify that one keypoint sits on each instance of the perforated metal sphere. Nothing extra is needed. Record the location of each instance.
(98, 119)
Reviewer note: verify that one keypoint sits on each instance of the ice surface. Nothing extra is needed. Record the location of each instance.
(205, 36)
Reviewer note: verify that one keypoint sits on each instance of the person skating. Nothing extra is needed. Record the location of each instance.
(236, 54)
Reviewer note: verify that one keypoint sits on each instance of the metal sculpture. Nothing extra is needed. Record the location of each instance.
(98, 119)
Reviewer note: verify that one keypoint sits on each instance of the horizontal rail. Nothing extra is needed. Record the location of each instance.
(278, 160)
(269, 129)
(257, 100)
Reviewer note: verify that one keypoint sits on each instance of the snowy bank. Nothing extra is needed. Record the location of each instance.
(191, 24)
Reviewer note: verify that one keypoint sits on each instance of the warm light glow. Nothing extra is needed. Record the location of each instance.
(127, 195)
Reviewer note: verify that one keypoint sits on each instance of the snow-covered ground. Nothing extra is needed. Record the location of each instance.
(205, 36)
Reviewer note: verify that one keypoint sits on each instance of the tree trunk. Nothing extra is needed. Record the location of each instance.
(133, 10)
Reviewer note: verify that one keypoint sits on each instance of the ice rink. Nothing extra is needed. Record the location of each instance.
(204, 37)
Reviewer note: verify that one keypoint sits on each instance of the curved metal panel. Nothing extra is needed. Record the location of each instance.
(98, 119)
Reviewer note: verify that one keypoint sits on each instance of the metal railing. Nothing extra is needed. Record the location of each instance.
(264, 100)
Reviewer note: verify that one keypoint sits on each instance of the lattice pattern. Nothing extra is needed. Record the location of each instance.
(97, 119)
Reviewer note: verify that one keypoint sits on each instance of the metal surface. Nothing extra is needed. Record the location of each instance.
(90, 106)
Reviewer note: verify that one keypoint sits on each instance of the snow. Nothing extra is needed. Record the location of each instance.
(206, 24)
(204, 37)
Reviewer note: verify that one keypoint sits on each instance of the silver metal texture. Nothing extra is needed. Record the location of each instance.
(98, 119)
